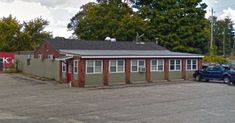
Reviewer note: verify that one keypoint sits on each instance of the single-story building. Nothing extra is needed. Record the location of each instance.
(85, 63)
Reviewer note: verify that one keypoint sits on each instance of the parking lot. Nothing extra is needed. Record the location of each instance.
(24, 100)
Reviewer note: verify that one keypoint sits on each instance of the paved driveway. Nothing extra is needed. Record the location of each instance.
(24, 100)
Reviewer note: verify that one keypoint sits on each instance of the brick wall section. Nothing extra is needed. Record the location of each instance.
(81, 72)
(46, 49)
(105, 72)
(199, 63)
(148, 72)
(183, 69)
(128, 71)
(166, 69)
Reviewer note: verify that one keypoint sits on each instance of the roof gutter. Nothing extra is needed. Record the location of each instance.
(92, 57)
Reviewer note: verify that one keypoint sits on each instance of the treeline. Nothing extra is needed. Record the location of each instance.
(178, 25)
(26, 36)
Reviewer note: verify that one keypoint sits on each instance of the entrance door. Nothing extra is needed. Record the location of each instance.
(1, 64)
(69, 72)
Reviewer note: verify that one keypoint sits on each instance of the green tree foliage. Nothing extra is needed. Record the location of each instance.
(9, 33)
(15, 36)
(223, 36)
(215, 59)
(179, 24)
(107, 18)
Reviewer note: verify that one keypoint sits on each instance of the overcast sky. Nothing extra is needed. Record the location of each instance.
(59, 12)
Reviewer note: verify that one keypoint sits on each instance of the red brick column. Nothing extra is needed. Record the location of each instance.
(199, 63)
(81, 72)
(105, 72)
(67, 70)
(184, 69)
(128, 71)
(148, 72)
(166, 69)
(60, 70)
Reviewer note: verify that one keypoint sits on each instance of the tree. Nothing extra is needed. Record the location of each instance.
(15, 36)
(9, 33)
(179, 24)
(223, 36)
(34, 33)
(107, 18)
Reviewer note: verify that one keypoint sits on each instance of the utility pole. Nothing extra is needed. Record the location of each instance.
(212, 22)
(224, 43)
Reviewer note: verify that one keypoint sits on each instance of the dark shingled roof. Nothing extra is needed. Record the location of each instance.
(70, 44)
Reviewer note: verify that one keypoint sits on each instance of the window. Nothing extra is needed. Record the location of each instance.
(63, 67)
(157, 65)
(116, 66)
(138, 66)
(94, 66)
(175, 65)
(192, 64)
(51, 57)
(75, 66)
(40, 56)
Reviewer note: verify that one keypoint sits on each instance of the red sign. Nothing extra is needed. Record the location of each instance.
(7, 59)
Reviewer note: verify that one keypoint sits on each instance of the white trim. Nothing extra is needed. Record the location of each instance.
(63, 65)
(94, 67)
(92, 57)
(175, 65)
(116, 61)
(157, 70)
(138, 66)
(50, 56)
(191, 64)
(75, 66)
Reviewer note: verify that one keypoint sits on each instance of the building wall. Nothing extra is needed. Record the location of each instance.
(173, 75)
(43, 68)
(189, 75)
(138, 77)
(116, 78)
(155, 76)
(46, 49)
(94, 79)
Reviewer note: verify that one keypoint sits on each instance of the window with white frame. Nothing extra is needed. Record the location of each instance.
(50, 56)
(192, 64)
(138, 66)
(63, 66)
(116, 66)
(157, 65)
(40, 56)
(75, 66)
(94, 66)
(175, 65)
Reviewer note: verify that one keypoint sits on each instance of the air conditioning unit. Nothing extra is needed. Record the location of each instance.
(142, 69)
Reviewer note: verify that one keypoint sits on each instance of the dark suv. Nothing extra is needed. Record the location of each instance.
(215, 72)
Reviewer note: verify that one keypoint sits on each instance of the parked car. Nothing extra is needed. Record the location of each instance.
(216, 72)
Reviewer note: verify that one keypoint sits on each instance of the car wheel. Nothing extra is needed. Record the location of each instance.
(198, 78)
(227, 80)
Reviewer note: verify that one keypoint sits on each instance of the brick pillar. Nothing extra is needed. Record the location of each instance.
(60, 70)
(166, 69)
(128, 71)
(67, 71)
(148, 72)
(184, 69)
(199, 63)
(105, 72)
(81, 72)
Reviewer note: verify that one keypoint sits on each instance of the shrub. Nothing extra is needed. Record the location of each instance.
(215, 59)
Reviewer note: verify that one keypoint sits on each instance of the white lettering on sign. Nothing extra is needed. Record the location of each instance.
(7, 60)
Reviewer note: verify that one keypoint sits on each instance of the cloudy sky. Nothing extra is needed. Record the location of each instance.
(59, 12)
